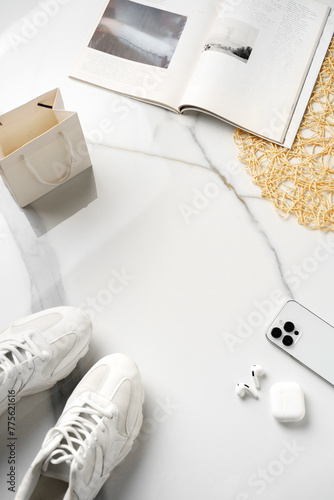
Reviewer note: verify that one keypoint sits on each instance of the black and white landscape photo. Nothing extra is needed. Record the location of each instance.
(234, 38)
(138, 33)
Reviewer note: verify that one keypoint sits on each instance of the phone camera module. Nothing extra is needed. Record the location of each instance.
(285, 333)
(289, 326)
(287, 340)
(276, 332)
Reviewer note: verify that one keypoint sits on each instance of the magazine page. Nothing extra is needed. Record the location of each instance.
(254, 63)
(146, 49)
(311, 77)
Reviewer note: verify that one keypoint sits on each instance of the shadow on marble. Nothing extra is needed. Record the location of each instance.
(62, 203)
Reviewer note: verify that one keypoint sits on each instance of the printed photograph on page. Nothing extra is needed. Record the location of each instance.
(137, 32)
(233, 37)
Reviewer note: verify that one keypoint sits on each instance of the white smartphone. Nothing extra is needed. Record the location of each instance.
(306, 337)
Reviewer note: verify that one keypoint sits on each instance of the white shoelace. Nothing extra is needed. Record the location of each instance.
(76, 434)
(14, 353)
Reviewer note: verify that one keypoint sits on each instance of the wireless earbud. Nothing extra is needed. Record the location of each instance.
(257, 371)
(242, 389)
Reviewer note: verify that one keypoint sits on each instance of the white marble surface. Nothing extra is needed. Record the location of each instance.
(164, 288)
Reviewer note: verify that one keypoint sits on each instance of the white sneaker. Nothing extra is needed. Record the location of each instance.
(38, 350)
(94, 433)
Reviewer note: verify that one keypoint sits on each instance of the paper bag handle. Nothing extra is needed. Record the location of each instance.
(69, 167)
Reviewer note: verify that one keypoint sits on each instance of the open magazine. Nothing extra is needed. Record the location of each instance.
(252, 63)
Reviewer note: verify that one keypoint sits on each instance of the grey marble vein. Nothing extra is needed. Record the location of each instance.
(43, 269)
(251, 216)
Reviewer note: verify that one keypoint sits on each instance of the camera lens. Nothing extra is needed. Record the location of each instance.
(287, 340)
(276, 332)
(289, 327)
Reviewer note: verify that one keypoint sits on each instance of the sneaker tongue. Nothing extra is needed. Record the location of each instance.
(61, 470)
(58, 471)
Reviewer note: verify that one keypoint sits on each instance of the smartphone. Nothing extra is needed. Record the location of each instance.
(306, 337)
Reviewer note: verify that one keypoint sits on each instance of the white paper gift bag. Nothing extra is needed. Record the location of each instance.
(41, 147)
